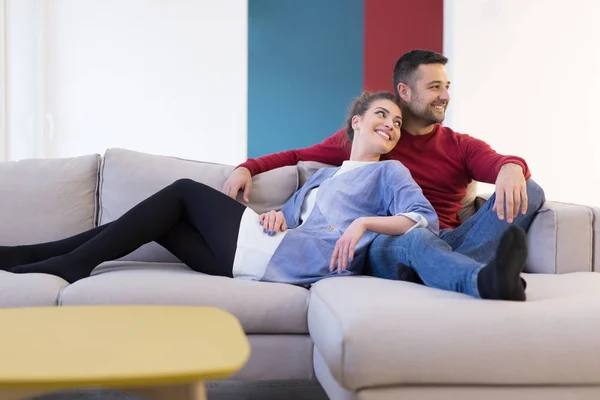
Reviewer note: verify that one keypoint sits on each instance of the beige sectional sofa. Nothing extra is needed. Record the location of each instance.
(361, 337)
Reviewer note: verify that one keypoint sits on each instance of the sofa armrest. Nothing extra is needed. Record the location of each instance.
(561, 239)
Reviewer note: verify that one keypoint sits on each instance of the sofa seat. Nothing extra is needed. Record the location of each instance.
(31, 290)
(373, 333)
(265, 308)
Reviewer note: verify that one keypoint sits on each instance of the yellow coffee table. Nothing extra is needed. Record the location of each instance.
(160, 352)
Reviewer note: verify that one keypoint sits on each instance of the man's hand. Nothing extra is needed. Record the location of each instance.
(272, 222)
(240, 179)
(511, 190)
(343, 253)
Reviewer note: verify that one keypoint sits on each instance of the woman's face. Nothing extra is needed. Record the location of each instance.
(378, 130)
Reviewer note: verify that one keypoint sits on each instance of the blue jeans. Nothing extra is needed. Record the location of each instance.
(452, 260)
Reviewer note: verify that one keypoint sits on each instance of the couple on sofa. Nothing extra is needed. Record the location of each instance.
(382, 218)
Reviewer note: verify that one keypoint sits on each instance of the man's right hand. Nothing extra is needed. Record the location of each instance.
(240, 179)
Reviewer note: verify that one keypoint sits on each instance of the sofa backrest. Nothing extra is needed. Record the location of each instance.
(47, 199)
(128, 177)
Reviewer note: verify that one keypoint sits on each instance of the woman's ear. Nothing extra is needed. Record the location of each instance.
(355, 122)
(404, 92)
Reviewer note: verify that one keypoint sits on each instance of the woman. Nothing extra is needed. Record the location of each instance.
(331, 219)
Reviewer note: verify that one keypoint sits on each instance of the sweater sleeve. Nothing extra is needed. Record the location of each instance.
(330, 151)
(288, 210)
(406, 198)
(483, 162)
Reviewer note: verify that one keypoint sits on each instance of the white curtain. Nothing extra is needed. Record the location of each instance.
(23, 96)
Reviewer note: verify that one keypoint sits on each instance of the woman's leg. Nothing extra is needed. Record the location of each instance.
(187, 244)
(11, 256)
(183, 241)
(215, 216)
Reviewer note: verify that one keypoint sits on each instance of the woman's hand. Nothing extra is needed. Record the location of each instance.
(272, 222)
(343, 253)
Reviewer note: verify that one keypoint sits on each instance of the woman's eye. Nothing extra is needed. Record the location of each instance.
(380, 113)
(398, 124)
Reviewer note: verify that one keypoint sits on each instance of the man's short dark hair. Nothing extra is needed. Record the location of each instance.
(407, 65)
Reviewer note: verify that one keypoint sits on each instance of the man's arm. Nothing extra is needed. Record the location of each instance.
(333, 150)
(484, 163)
(330, 151)
(508, 173)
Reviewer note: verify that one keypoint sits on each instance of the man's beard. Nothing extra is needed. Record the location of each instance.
(427, 114)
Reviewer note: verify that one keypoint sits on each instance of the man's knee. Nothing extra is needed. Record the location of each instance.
(387, 253)
(535, 195)
(411, 238)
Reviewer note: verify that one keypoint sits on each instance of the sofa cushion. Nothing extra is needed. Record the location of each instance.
(306, 169)
(261, 307)
(129, 177)
(29, 290)
(375, 332)
(47, 199)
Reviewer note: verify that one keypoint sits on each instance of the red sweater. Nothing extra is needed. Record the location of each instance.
(443, 163)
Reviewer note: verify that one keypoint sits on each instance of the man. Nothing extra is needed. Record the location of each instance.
(464, 257)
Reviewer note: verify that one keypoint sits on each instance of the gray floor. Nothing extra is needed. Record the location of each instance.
(217, 391)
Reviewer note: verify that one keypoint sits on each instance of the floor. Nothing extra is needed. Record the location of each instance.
(300, 390)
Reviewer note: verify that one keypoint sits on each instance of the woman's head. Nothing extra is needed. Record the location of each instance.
(373, 125)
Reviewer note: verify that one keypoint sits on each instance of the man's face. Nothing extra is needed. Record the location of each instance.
(429, 94)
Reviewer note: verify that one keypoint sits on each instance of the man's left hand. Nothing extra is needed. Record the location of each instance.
(511, 190)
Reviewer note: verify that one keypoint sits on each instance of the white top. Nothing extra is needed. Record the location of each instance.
(255, 248)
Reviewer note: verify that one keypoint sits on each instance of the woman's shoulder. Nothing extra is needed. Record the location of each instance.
(392, 166)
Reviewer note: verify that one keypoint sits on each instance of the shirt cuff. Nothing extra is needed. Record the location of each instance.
(420, 221)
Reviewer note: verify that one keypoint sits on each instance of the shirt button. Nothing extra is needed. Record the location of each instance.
(330, 228)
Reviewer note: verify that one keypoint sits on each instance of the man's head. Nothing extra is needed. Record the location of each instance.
(421, 83)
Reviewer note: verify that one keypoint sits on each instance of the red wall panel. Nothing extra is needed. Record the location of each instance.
(393, 27)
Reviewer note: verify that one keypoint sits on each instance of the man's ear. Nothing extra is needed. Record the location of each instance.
(355, 122)
(404, 92)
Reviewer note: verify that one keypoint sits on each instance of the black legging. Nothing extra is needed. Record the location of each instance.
(196, 223)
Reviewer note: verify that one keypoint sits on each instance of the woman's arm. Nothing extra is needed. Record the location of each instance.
(343, 253)
(393, 225)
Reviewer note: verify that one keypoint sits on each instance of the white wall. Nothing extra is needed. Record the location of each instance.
(159, 76)
(526, 79)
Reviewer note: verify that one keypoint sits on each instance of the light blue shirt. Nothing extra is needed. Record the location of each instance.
(383, 188)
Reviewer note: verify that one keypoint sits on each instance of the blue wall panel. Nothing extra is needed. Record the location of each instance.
(305, 65)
